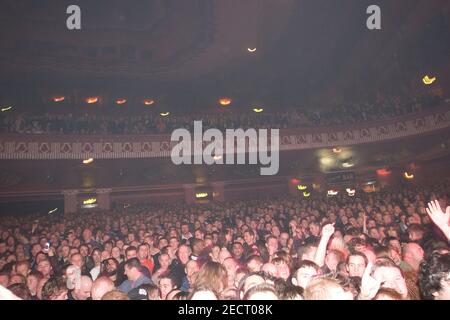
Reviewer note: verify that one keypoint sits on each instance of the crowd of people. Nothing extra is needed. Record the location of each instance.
(154, 123)
(393, 244)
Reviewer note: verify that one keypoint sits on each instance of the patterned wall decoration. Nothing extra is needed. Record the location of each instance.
(156, 146)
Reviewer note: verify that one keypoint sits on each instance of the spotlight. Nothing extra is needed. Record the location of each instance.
(87, 161)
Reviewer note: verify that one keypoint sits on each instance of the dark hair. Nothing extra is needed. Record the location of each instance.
(291, 292)
(133, 263)
(359, 254)
(20, 290)
(432, 271)
(130, 248)
(53, 287)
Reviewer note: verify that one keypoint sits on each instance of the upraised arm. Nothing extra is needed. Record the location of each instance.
(439, 217)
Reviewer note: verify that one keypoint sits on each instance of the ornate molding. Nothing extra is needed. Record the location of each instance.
(40, 147)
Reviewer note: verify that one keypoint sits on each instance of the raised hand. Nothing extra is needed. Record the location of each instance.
(328, 230)
(369, 285)
(439, 217)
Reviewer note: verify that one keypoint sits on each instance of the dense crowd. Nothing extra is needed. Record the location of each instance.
(153, 123)
(393, 244)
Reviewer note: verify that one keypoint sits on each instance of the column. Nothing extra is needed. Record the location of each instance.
(104, 199)
(70, 201)
(189, 193)
(218, 191)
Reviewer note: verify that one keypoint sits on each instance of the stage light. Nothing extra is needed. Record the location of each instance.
(408, 175)
(164, 114)
(201, 195)
(127, 205)
(59, 99)
(149, 102)
(5, 109)
(306, 194)
(383, 172)
(347, 164)
(121, 101)
(302, 187)
(427, 80)
(87, 161)
(225, 102)
(337, 150)
(90, 201)
(251, 50)
(258, 110)
(350, 192)
(332, 192)
(92, 100)
(217, 157)
(53, 211)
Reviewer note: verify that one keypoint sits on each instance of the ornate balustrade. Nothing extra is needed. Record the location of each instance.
(47, 146)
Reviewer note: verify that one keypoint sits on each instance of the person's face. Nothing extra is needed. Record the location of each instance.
(143, 252)
(65, 250)
(36, 248)
(248, 238)
(84, 251)
(254, 265)
(115, 252)
(238, 250)
(272, 246)
(45, 268)
(163, 243)
(23, 269)
(165, 285)
(314, 229)
(356, 266)
(374, 234)
(32, 283)
(174, 243)
(231, 266)
(96, 256)
(283, 271)
(77, 260)
(183, 254)
(111, 266)
(131, 254)
(84, 292)
(87, 235)
(391, 278)
(191, 268)
(164, 261)
(305, 276)
(284, 239)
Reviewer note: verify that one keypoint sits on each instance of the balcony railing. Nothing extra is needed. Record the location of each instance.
(47, 146)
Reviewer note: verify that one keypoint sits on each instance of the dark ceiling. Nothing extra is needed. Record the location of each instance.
(191, 51)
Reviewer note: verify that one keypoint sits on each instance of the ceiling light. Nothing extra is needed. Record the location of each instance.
(149, 102)
(59, 99)
(225, 102)
(92, 100)
(427, 80)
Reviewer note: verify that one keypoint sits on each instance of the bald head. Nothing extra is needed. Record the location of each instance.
(83, 291)
(101, 286)
(413, 254)
(269, 268)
